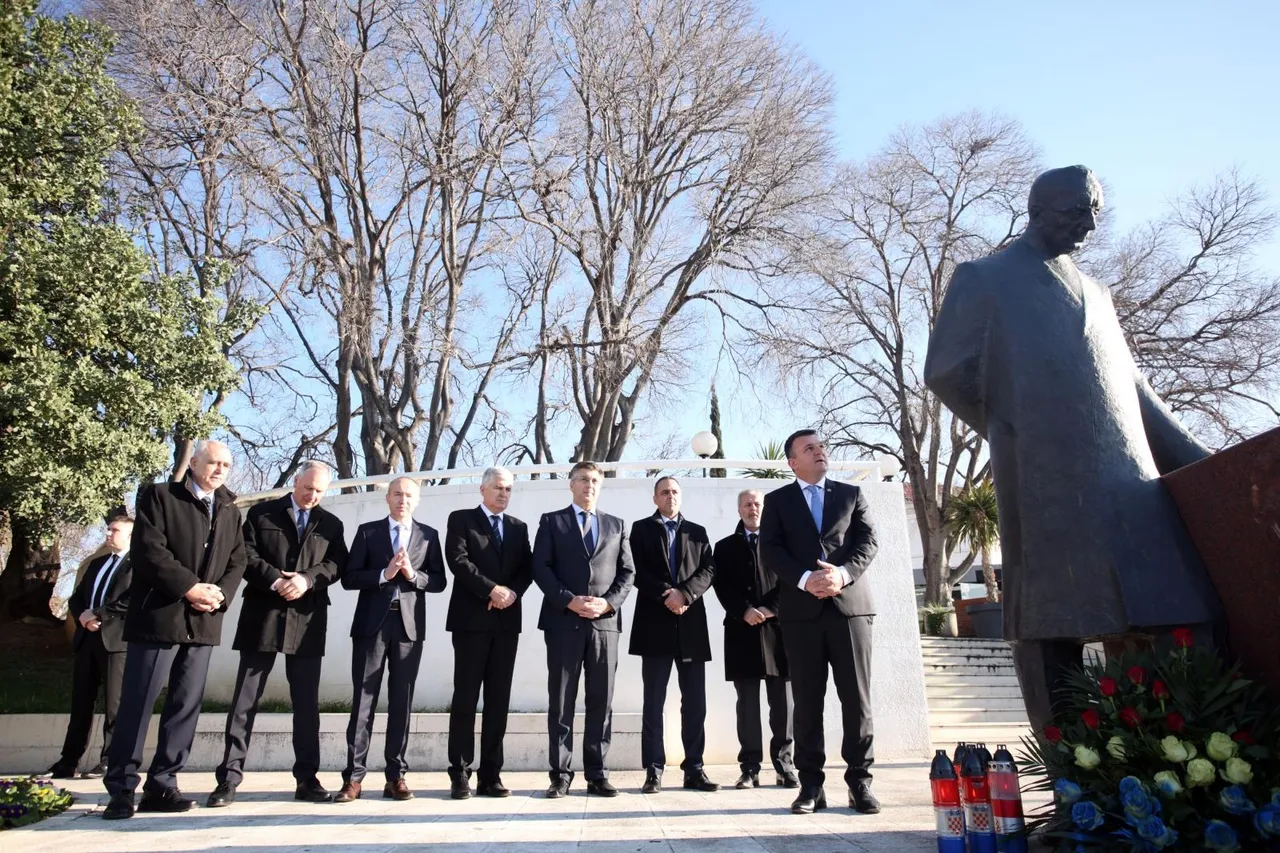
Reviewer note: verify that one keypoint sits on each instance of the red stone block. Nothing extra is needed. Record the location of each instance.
(1230, 503)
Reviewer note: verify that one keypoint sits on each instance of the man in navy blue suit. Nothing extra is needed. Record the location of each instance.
(582, 563)
(393, 562)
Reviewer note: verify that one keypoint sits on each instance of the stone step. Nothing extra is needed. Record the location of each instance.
(976, 683)
(959, 670)
(952, 716)
(962, 643)
(992, 734)
(976, 699)
(943, 688)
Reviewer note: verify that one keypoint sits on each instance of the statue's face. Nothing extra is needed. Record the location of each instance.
(1068, 215)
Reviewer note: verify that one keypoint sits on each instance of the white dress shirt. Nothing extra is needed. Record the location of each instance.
(846, 579)
(104, 578)
(592, 519)
(502, 520)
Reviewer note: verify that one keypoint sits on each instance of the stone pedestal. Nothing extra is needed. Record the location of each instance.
(1230, 503)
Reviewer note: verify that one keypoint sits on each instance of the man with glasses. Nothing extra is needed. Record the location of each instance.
(582, 563)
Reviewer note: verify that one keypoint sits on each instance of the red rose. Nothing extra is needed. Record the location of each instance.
(1182, 638)
(1137, 674)
(1090, 718)
(1053, 734)
(1107, 685)
(1159, 689)
(1131, 717)
(1243, 737)
(1175, 722)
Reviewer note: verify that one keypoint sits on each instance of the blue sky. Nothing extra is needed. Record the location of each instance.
(1154, 97)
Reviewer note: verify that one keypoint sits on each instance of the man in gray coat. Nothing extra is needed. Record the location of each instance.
(1029, 352)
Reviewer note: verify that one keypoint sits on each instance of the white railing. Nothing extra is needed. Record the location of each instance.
(852, 470)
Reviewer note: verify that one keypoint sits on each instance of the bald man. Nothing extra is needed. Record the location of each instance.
(1028, 351)
(188, 558)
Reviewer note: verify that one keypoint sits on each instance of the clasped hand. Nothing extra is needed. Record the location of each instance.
(675, 600)
(825, 581)
(290, 586)
(205, 597)
(89, 621)
(589, 606)
(500, 598)
(757, 615)
(400, 565)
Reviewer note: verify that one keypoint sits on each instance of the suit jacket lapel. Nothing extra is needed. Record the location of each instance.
(828, 498)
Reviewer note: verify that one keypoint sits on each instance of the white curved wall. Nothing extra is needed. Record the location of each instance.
(901, 719)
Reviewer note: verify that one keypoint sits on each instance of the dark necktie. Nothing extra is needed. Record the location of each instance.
(588, 538)
(497, 530)
(100, 594)
(208, 506)
(302, 523)
(672, 556)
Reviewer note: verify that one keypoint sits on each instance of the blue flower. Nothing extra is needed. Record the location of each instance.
(1220, 836)
(1153, 829)
(1138, 805)
(1130, 784)
(1086, 815)
(1067, 791)
(1267, 821)
(1235, 801)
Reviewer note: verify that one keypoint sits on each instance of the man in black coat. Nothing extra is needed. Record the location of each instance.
(582, 563)
(674, 569)
(488, 552)
(98, 605)
(296, 551)
(188, 557)
(753, 650)
(815, 535)
(394, 562)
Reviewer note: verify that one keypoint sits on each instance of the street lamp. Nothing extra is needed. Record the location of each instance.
(704, 446)
(889, 466)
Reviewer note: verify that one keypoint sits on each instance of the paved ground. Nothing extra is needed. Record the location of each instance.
(266, 819)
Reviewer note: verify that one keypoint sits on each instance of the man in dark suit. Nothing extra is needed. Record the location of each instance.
(98, 605)
(674, 569)
(753, 650)
(394, 562)
(582, 564)
(296, 551)
(816, 537)
(188, 557)
(488, 552)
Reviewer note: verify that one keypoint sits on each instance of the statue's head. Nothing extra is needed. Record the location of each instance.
(1064, 205)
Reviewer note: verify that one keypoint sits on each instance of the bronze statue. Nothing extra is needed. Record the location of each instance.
(1029, 352)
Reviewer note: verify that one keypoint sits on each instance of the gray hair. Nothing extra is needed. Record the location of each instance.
(495, 473)
(313, 465)
(742, 494)
(201, 449)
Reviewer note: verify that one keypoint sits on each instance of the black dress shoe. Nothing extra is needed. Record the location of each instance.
(747, 780)
(61, 771)
(861, 799)
(699, 782)
(459, 788)
(559, 788)
(120, 807)
(96, 772)
(223, 795)
(652, 783)
(312, 792)
(788, 780)
(493, 789)
(167, 800)
(602, 788)
(809, 801)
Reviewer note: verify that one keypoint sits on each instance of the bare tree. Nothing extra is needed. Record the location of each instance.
(674, 139)
(189, 71)
(873, 273)
(1203, 322)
